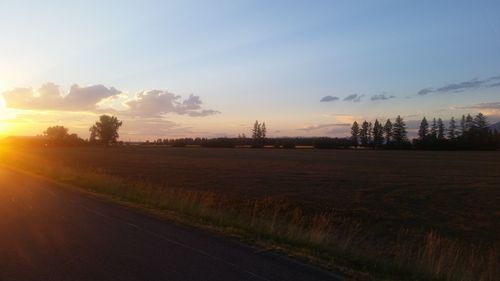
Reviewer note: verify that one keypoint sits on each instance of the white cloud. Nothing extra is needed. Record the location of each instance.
(49, 97)
(156, 103)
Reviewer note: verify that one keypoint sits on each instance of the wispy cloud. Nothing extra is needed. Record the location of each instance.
(382, 96)
(353, 98)
(484, 105)
(463, 86)
(488, 108)
(328, 99)
(322, 126)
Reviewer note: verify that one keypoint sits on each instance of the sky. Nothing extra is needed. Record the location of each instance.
(172, 69)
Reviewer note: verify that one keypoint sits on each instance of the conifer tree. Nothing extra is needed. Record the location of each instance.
(363, 133)
(257, 130)
(469, 123)
(423, 131)
(434, 128)
(355, 133)
(462, 126)
(263, 130)
(480, 122)
(388, 131)
(441, 129)
(399, 133)
(452, 129)
(378, 133)
(370, 133)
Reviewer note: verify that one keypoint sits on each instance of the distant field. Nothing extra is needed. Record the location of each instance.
(454, 193)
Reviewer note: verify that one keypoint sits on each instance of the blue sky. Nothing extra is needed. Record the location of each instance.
(247, 60)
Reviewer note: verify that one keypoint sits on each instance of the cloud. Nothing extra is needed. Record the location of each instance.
(425, 91)
(328, 99)
(484, 105)
(156, 103)
(350, 97)
(100, 99)
(463, 86)
(382, 96)
(48, 97)
(353, 98)
(321, 126)
(494, 85)
(358, 99)
(487, 108)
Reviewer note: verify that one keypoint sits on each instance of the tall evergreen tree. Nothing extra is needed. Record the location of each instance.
(257, 130)
(434, 128)
(441, 129)
(355, 133)
(399, 133)
(480, 122)
(469, 123)
(480, 128)
(363, 133)
(423, 131)
(263, 130)
(388, 131)
(462, 126)
(452, 134)
(378, 133)
(370, 133)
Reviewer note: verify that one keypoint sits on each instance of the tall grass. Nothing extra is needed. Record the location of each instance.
(327, 237)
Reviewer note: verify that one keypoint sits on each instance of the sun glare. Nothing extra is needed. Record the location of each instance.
(2, 104)
(3, 126)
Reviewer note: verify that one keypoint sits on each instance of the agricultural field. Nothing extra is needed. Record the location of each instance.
(455, 194)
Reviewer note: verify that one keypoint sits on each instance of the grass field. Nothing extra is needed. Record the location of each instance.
(449, 195)
(454, 193)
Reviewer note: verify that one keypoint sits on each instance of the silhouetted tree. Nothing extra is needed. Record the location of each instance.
(105, 130)
(480, 122)
(434, 128)
(388, 131)
(462, 125)
(355, 133)
(56, 134)
(440, 129)
(399, 133)
(469, 123)
(363, 133)
(452, 129)
(370, 133)
(378, 133)
(423, 131)
(258, 134)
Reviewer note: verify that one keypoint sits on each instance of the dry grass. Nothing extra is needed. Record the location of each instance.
(332, 237)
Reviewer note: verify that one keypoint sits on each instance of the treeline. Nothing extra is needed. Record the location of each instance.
(243, 141)
(472, 133)
(390, 135)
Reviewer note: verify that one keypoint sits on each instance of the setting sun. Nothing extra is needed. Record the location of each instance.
(236, 140)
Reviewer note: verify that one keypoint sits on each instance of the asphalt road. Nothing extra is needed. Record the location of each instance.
(51, 233)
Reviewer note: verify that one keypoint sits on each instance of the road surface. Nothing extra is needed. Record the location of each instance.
(51, 233)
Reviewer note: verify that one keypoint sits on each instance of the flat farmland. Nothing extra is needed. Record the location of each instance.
(456, 194)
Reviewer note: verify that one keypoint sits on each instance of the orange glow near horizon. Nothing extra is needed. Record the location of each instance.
(3, 115)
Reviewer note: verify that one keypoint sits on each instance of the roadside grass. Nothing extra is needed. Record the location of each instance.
(326, 239)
